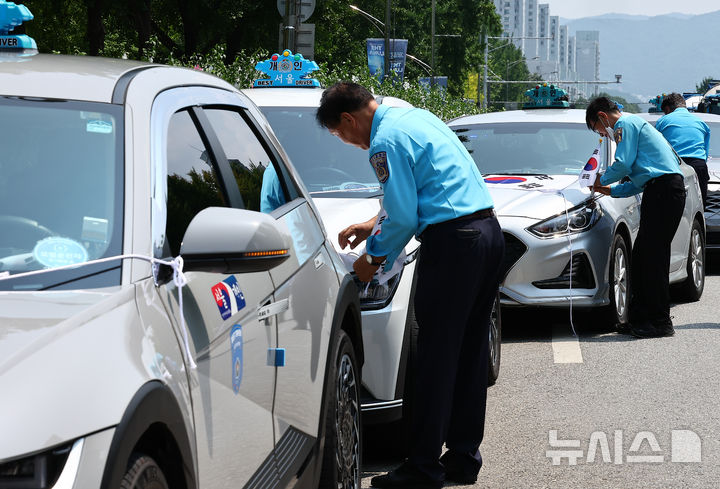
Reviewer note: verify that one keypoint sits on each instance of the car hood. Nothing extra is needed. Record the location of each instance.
(57, 351)
(339, 213)
(534, 196)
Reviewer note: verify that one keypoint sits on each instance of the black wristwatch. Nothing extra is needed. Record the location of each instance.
(373, 262)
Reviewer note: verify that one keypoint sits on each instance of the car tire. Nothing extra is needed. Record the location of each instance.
(143, 473)
(692, 288)
(343, 439)
(494, 344)
(619, 281)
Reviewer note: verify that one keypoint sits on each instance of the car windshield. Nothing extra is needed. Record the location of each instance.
(714, 139)
(61, 193)
(528, 148)
(326, 165)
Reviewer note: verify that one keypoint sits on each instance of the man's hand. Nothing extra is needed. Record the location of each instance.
(360, 231)
(363, 269)
(598, 187)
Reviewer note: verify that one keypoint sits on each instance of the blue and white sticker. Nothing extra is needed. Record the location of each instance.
(228, 296)
(236, 347)
(100, 127)
(59, 252)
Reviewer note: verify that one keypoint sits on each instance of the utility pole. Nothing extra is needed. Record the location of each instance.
(432, 45)
(387, 38)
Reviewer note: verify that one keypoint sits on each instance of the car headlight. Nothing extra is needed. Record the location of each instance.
(576, 220)
(39, 471)
(375, 295)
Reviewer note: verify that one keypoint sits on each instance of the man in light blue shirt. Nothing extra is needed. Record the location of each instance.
(433, 190)
(644, 162)
(688, 135)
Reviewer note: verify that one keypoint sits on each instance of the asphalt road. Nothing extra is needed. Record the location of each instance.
(627, 412)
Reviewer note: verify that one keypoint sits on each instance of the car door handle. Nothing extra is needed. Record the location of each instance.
(273, 309)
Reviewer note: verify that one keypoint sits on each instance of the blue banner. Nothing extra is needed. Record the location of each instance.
(376, 57)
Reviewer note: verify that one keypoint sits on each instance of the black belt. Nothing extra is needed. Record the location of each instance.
(666, 176)
(481, 214)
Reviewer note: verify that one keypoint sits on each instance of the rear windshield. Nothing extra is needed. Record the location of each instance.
(61, 193)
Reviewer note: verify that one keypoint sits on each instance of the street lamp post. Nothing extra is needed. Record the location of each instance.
(485, 77)
(507, 77)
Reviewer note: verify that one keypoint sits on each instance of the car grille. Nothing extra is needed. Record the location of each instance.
(712, 217)
(514, 249)
(581, 277)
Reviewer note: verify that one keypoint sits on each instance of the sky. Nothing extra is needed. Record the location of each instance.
(574, 9)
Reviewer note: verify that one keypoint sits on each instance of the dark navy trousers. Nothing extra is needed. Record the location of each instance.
(458, 276)
(662, 207)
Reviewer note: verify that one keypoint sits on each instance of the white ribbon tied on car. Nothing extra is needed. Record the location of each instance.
(382, 275)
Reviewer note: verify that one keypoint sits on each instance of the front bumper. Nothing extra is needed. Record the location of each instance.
(539, 272)
(712, 216)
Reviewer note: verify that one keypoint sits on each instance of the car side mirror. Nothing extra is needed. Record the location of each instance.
(226, 240)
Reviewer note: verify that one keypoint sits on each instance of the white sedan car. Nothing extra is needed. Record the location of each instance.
(345, 190)
(565, 245)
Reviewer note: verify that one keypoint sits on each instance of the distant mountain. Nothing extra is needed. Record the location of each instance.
(661, 54)
(608, 17)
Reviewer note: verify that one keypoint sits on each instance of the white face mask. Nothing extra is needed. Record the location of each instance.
(609, 132)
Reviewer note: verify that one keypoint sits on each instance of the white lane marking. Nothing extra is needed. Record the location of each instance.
(566, 347)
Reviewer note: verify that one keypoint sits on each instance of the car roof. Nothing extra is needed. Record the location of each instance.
(654, 116)
(85, 78)
(303, 97)
(529, 115)
(278, 97)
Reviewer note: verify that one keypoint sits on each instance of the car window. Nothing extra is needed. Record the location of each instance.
(61, 191)
(714, 139)
(262, 187)
(526, 148)
(325, 164)
(192, 183)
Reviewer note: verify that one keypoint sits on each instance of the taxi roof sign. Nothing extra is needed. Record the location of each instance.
(546, 97)
(286, 70)
(656, 103)
(11, 16)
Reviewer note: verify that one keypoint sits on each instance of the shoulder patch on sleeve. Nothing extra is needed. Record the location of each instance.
(618, 134)
(380, 165)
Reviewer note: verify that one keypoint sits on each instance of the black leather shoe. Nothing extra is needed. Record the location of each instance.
(665, 328)
(645, 330)
(459, 468)
(622, 328)
(405, 477)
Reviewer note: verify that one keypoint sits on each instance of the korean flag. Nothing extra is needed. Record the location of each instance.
(589, 172)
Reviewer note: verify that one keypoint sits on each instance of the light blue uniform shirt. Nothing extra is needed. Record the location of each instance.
(686, 133)
(271, 194)
(641, 155)
(426, 173)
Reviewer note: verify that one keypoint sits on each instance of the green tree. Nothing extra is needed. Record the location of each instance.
(704, 84)
(631, 107)
(507, 63)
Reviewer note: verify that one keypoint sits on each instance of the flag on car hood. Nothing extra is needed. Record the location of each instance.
(589, 172)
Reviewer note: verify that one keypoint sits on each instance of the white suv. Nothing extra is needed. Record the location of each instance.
(156, 329)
